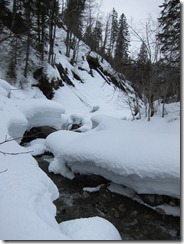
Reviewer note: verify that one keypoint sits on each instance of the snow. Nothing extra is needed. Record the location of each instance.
(125, 191)
(95, 229)
(41, 112)
(144, 159)
(136, 156)
(67, 120)
(92, 189)
(85, 95)
(27, 193)
(36, 147)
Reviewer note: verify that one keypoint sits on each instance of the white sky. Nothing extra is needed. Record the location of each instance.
(139, 10)
(137, 13)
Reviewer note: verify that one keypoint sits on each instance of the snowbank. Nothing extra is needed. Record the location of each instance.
(140, 155)
(27, 211)
(94, 228)
(41, 112)
(84, 122)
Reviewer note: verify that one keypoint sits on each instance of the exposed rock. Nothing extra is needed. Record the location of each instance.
(90, 180)
(122, 208)
(64, 74)
(43, 83)
(155, 200)
(134, 213)
(37, 132)
(75, 126)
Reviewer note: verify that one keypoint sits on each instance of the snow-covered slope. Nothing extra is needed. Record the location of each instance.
(27, 211)
(94, 89)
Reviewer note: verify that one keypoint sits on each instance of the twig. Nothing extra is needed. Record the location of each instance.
(14, 154)
(3, 171)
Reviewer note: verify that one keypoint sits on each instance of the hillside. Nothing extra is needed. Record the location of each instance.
(88, 84)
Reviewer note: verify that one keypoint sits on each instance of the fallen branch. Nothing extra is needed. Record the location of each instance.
(3, 171)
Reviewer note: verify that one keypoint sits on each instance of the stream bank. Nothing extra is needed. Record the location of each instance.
(133, 220)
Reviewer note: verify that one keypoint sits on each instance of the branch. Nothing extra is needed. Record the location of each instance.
(14, 154)
(3, 171)
(9, 140)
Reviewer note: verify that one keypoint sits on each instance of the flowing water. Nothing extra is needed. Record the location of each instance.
(134, 221)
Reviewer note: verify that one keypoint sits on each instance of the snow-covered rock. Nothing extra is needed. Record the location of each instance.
(94, 228)
(140, 155)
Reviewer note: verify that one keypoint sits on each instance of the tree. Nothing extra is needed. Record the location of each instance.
(73, 20)
(89, 21)
(113, 33)
(40, 26)
(169, 38)
(28, 16)
(121, 56)
(4, 11)
(97, 36)
(143, 54)
(106, 36)
(4, 14)
(53, 13)
(144, 72)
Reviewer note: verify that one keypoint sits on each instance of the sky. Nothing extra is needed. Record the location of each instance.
(137, 13)
(139, 10)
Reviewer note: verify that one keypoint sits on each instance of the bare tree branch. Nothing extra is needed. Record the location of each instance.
(3, 171)
(14, 154)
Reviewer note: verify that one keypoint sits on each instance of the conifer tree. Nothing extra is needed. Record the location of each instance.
(143, 54)
(169, 38)
(121, 57)
(97, 36)
(89, 21)
(170, 34)
(4, 12)
(113, 32)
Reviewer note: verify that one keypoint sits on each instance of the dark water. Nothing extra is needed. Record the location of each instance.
(133, 220)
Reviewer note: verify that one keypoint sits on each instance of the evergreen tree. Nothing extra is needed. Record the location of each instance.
(170, 35)
(88, 36)
(3, 13)
(113, 32)
(169, 38)
(121, 57)
(4, 9)
(143, 54)
(97, 36)
(89, 22)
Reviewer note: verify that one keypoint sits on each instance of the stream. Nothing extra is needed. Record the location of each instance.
(133, 220)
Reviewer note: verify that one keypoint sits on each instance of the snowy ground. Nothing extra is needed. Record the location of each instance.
(26, 193)
(139, 154)
(142, 155)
